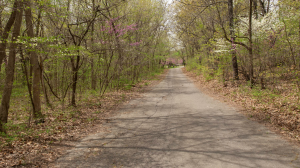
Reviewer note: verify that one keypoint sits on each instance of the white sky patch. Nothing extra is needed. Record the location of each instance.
(169, 1)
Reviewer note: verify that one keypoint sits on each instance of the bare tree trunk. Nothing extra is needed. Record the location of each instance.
(255, 9)
(38, 33)
(290, 45)
(250, 45)
(38, 24)
(6, 31)
(10, 67)
(93, 76)
(44, 86)
(1, 28)
(75, 64)
(75, 68)
(35, 65)
(299, 46)
(263, 9)
(233, 56)
(268, 7)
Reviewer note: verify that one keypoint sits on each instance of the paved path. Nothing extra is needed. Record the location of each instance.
(177, 126)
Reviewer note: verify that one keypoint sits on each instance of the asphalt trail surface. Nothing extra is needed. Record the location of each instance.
(175, 125)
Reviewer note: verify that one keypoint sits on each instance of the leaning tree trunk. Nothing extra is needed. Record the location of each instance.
(6, 31)
(233, 54)
(10, 67)
(35, 65)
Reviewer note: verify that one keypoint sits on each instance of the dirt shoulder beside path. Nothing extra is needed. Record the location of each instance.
(88, 117)
(264, 114)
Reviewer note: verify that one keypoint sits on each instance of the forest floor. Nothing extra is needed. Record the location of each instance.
(41, 144)
(278, 111)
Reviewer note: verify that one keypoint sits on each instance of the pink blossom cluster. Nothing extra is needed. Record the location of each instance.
(117, 29)
(165, 63)
(136, 43)
(172, 60)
